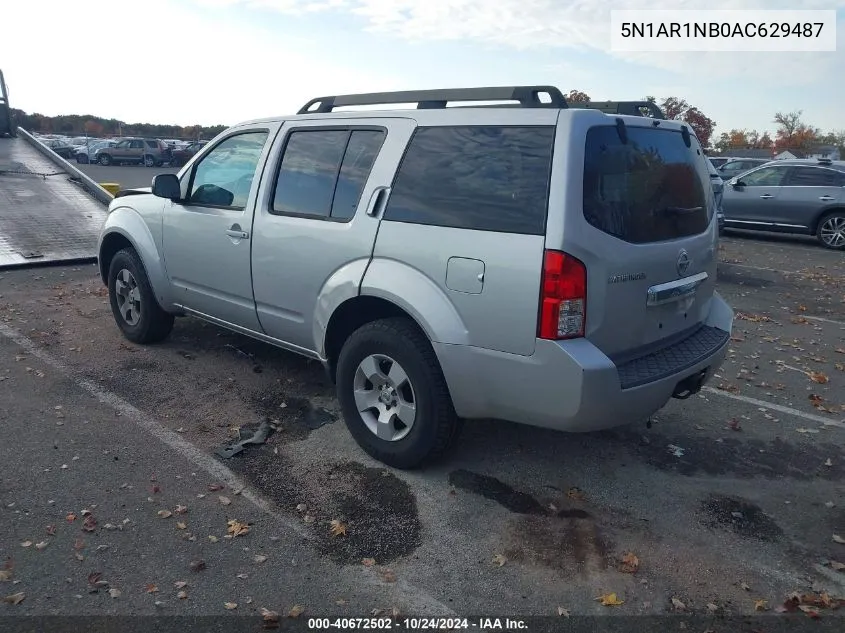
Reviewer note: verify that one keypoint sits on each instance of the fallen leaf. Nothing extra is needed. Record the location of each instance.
(630, 563)
(499, 560)
(224, 500)
(296, 611)
(712, 607)
(180, 584)
(180, 525)
(387, 575)
(679, 606)
(164, 514)
(242, 576)
(745, 586)
(70, 518)
(308, 519)
(761, 605)
(734, 425)
(89, 524)
(5, 575)
(838, 539)
(828, 463)
(26, 544)
(575, 493)
(271, 618)
(213, 538)
(837, 566)
(215, 487)
(94, 577)
(15, 598)
(368, 562)
(819, 377)
(230, 605)
(41, 545)
(197, 565)
(341, 602)
(51, 530)
(179, 509)
(114, 592)
(182, 595)
(236, 528)
(338, 528)
(151, 588)
(564, 612)
(259, 558)
(610, 600)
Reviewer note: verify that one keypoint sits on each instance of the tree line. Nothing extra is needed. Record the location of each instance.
(82, 124)
(791, 131)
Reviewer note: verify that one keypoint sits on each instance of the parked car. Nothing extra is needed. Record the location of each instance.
(718, 189)
(737, 166)
(89, 154)
(60, 147)
(443, 263)
(180, 156)
(145, 151)
(790, 196)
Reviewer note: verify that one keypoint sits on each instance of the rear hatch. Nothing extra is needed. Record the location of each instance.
(646, 234)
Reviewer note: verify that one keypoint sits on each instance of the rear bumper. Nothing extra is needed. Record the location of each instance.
(573, 386)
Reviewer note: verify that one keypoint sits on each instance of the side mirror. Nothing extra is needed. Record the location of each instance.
(167, 186)
(736, 183)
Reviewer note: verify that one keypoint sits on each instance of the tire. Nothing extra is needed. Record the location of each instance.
(158, 163)
(831, 230)
(434, 427)
(146, 322)
(149, 161)
(104, 160)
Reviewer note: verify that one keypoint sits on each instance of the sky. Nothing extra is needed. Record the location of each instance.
(223, 61)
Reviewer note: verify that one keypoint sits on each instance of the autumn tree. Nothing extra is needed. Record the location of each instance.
(680, 110)
(743, 139)
(94, 128)
(793, 132)
(576, 96)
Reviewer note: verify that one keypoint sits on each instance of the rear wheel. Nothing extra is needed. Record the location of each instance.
(393, 394)
(149, 161)
(831, 230)
(134, 306)
(104, 160)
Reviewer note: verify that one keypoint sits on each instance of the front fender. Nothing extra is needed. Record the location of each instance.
(128, 223)
(419, 296)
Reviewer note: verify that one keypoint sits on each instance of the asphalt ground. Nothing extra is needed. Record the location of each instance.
(730, 501)
(127, 176)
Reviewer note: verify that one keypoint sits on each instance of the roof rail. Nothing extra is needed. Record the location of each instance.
(634, 108)
(527, 96)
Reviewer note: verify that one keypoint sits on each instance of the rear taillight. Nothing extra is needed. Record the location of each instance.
(563, 297)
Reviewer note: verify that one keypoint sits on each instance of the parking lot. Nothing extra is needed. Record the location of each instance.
(127, 176)
(732, 499)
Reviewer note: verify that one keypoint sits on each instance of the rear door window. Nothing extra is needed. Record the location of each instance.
(487, 178)
(652, 188)
(815, 177)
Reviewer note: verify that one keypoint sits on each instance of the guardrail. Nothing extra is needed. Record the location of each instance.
(87, 183)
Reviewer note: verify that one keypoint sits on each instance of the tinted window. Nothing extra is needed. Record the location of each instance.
(650, 189)
(765, 177)
(323, 172)
(224, 176)
(152, 144)
(136, 145)
(361, 152)
(815, 177)
(476, 177)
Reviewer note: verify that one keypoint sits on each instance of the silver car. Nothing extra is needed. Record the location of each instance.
(540, 263)
(790, 196)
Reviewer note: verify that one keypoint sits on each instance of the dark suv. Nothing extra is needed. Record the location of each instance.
(147, 151)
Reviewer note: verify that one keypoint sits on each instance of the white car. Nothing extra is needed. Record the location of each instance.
(89, 154)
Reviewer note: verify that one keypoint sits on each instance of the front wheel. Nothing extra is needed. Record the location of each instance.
(831, 230)
(104, 160)
(393, 395)
(133, 303)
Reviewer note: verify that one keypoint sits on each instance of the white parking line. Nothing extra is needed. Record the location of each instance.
(823, 320)
(422, 600)
(777, 407)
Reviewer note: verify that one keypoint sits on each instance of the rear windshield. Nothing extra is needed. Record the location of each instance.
(650, 189)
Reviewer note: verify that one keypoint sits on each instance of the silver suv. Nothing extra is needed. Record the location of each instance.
(535, 263)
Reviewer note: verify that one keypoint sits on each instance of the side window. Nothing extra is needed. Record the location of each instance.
(323, 172)
(153, 144)
(815, 177)
(136, 145)
(488, 178)
(122, 144)
(224, 176)
(765, 177)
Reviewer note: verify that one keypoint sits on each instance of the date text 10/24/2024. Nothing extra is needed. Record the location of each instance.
(418, 624)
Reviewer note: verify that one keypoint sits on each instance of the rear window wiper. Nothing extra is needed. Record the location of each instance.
(681, 210)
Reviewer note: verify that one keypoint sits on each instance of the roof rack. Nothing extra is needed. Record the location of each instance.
(634, 108)
(527, 96)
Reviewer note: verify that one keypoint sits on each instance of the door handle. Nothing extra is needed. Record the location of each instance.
(826, 198)
(241, 235)
(377, 201)
(766, 196)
